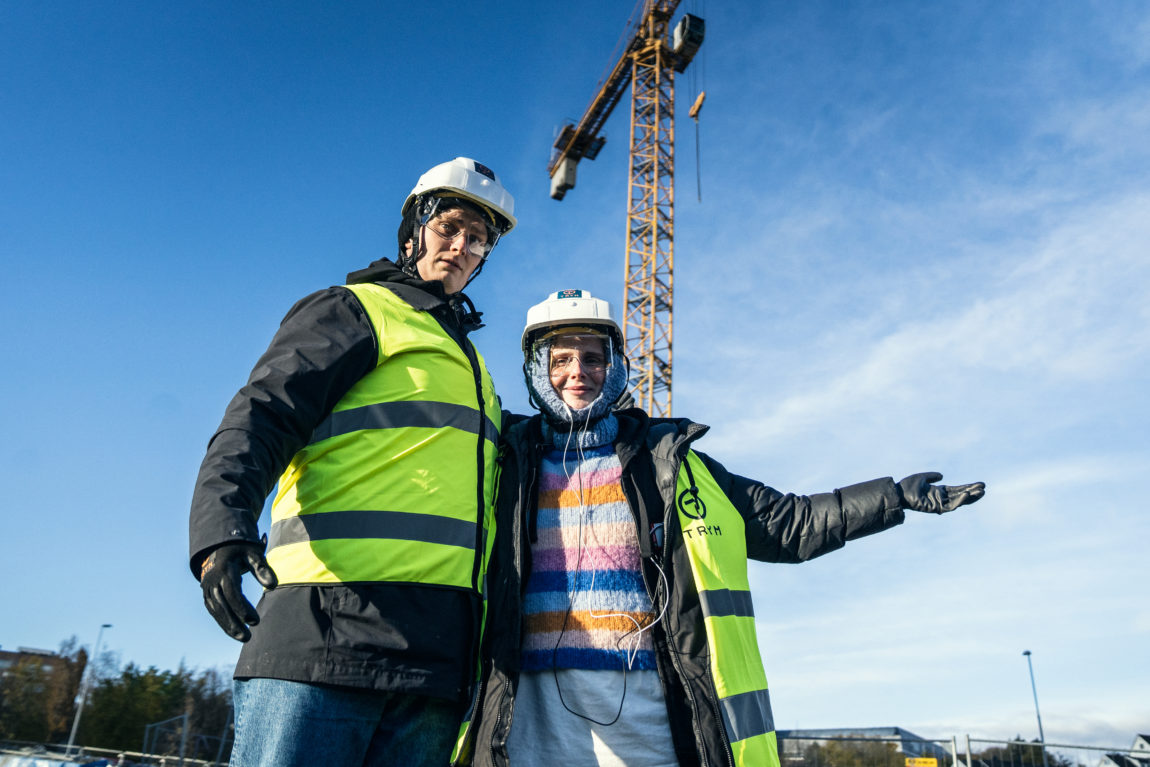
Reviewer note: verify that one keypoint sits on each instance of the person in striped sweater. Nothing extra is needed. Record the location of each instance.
(620, 627)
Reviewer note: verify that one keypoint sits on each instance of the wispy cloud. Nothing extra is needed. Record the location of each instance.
(1071, 313)
(1029, 492)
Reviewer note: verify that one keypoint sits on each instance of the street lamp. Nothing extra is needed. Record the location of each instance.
(1041, 737)
(85, 682)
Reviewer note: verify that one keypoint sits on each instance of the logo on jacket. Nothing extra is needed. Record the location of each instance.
(691, 504)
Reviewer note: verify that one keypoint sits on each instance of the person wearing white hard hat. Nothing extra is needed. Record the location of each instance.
(375, 419)
(621, 627)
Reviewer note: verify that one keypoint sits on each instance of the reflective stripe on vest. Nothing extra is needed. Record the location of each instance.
(715, 538)
(387, 489)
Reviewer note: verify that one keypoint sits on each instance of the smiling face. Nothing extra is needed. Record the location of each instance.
(578, 367)
(452, 242)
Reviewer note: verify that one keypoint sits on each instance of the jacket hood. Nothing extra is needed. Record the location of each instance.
(387, 271)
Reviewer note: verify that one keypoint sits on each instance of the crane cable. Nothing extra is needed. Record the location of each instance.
(698, 84)
(698, 164)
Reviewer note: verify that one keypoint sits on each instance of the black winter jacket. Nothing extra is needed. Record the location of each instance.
(779, 528)
(397, 637)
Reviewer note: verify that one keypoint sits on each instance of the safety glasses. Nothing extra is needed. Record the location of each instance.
(448, 231)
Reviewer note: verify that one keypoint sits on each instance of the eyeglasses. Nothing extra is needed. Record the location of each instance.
(590, 363)
(477, 245)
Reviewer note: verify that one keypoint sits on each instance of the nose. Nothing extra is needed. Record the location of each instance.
(460, 240)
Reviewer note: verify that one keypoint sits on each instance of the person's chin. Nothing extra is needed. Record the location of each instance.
(452, 278)
(451, 281)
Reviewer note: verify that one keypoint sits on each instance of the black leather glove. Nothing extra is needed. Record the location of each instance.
(917, 492)
(625, 400)
(221, 578)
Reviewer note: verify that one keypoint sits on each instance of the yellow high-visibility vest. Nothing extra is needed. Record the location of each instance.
(397, 483)
(715, 538)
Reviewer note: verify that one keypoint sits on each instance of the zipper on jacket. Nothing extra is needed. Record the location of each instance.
(458, 333)
(481, 507)
(525, 502)
(519, 532)
(480, 472)
(476, 702)
(505, 704)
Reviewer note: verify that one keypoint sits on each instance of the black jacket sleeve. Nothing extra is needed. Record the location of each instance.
(324, 345)
(794, 528)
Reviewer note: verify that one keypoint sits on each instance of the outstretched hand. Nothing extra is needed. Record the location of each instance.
(221, 578)
(919, 493)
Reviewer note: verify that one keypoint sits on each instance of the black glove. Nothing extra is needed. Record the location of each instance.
(625, 400)
(221, 578)
(916, 492)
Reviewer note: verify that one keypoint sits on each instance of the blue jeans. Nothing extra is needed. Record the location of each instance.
(295, 724)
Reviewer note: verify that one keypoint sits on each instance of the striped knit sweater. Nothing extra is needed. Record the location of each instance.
(585, 592)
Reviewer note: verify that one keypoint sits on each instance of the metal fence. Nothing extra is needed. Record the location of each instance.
(23, 754)
(1016, 753)
(796, 749)
(804, 749)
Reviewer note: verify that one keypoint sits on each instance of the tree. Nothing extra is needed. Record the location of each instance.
(37, 698)
(63, 687)
(122, 707)
(211, 695)
(1019, 753)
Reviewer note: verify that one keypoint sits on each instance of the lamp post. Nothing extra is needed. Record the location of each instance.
(85, 682)
(1041, 737)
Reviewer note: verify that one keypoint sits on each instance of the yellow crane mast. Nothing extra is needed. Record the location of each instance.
(649, 63)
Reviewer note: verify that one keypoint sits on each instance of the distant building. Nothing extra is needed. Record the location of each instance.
(47, 660)
(792, 743)
(1137, 756)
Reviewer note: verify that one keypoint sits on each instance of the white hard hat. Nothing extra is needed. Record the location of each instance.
(576, 308)
(465, 178)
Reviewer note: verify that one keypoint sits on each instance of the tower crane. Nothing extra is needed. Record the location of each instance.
(649, 62)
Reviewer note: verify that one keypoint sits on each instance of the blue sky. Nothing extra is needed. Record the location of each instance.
(922, 244)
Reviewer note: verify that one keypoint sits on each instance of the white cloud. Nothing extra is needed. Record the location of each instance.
(1069, 318)
(1110, 129)
(1029, 492)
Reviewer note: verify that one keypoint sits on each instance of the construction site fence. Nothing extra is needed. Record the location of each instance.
(795, 751)
(957, 751)
(21, 754)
